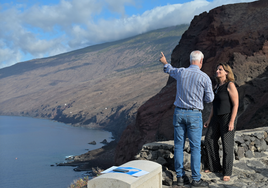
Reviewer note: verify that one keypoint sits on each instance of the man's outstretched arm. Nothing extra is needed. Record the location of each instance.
(167, 67)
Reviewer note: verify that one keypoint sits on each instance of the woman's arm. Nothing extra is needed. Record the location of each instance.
(206, 124)
(235, 101)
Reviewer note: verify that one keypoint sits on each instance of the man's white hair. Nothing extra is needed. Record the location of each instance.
(196, 55)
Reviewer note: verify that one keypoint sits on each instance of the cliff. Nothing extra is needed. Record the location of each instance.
(235, 34)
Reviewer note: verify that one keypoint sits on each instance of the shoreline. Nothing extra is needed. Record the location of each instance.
(102, 158)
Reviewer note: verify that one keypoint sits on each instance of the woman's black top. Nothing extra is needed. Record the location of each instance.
(222, 103)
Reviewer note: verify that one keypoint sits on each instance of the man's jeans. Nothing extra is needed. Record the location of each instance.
(187, 122)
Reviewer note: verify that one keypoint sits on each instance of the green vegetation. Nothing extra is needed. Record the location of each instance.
(80, 183)
(96, 171)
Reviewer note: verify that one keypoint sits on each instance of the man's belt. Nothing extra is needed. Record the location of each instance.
(192, 109)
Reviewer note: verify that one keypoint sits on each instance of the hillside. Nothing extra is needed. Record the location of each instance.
(100, 86)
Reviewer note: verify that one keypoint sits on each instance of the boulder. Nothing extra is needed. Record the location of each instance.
(93, 143)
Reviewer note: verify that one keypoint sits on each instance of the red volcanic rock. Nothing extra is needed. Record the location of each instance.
(235, 34)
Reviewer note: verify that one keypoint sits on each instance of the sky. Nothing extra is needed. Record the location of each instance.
(35, 29)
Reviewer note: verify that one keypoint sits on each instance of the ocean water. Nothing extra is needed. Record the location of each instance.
(29, 146)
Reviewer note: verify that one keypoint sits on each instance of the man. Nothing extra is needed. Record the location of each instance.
(193, 88)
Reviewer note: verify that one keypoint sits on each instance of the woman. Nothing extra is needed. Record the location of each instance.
(222, 122)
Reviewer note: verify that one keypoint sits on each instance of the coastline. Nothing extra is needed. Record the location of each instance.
(102, 158)
(38, 144)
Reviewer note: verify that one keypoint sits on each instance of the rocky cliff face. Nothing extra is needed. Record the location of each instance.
(235, 34)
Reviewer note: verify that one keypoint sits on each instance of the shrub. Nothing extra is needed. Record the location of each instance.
(80, 183)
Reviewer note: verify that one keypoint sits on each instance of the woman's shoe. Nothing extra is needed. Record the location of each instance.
(226, 178)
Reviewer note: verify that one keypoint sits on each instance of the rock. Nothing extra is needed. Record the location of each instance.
(252, 147)
(247, 138)
(144, 155)
(69, 158)
(259, 135)
(93, 143)
(266, 139)
(104, 141)
(257, 154)
(239, 140)
(167, 177)
(252, 138)
(161, 161)
(240, 153)
(244, 145)
(249, 154)
(187, 161)
(263, 145)
(257, 144)
(235, 149)
(265, 135)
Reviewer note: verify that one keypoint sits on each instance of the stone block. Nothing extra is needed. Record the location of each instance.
(187, 161)
(259, 134)
(247, 138)
(258, 144)
(252, 138)
(239, 139)
(161, 161)
(235, 148)
(144, 155)
(111, 180)
(265, 135)
(258, 155)
(187, 147)
(245, 147)
(252, 146)
(266, 139)
(249, 154)
(263, 145)
(167, 178)
(240, 153)
(153, 155)
(161, 152)
(167, 154)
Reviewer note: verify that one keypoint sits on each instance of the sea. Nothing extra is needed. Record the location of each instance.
(30, 148)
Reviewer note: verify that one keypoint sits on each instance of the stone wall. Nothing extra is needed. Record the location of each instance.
(249, 144)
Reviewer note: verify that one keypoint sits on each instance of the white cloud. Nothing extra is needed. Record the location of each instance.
(118, 5)
(48, 30)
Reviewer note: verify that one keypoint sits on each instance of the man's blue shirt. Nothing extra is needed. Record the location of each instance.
(193, 87)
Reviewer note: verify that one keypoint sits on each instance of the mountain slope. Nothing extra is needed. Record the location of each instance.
(99, 86)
